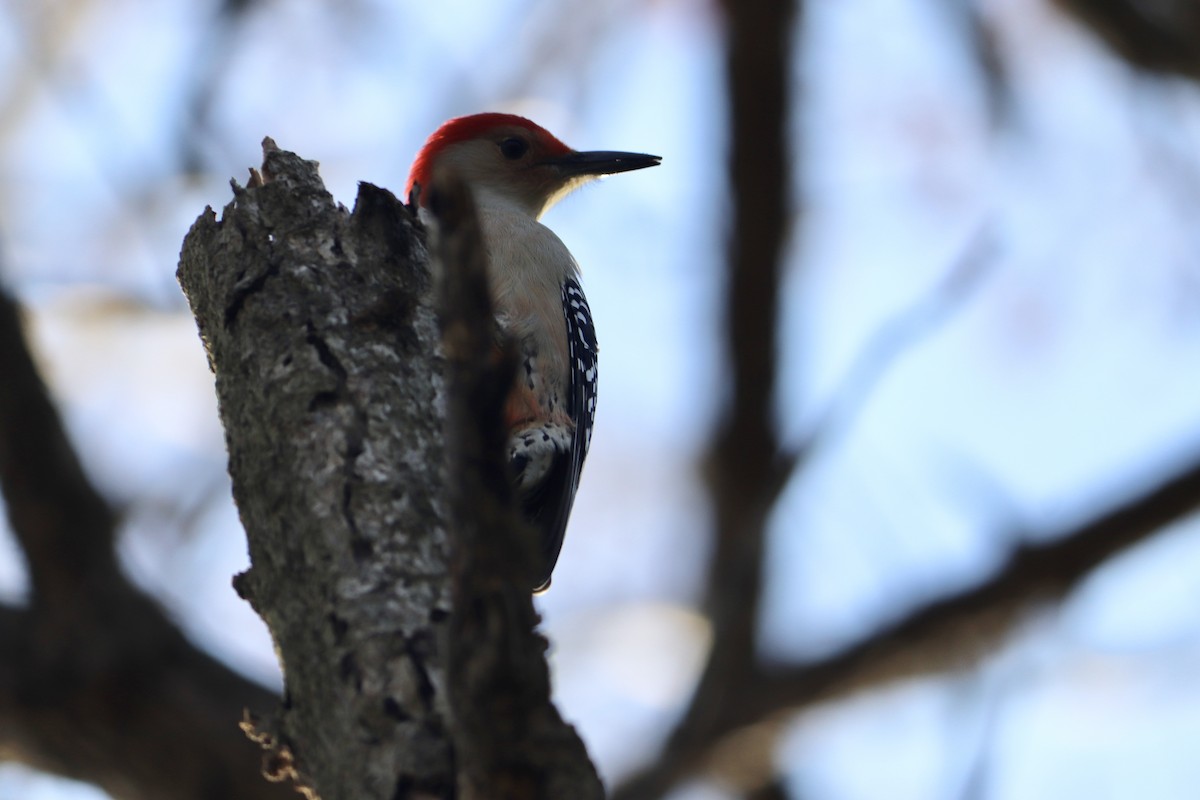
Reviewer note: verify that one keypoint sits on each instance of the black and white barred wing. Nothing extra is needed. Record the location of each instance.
(582, 351)
(581, 407)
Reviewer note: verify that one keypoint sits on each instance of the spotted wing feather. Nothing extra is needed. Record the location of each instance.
(558, 491)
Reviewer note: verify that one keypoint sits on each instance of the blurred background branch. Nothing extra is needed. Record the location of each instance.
(951, 232)
(96, 683)
(1159, 36)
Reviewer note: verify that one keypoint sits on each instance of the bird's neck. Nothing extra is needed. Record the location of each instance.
(499, 202)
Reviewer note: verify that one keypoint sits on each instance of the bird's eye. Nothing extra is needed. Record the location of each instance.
(513, 148)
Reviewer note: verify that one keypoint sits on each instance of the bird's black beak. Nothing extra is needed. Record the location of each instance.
(603, 162)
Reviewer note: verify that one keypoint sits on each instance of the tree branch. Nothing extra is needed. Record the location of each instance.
(744, 463)
(1160, 36)
(945, 634)
(63, 526)
(96, 684)
(961, 628)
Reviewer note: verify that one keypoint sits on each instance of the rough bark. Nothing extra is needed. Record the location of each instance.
(320, 328)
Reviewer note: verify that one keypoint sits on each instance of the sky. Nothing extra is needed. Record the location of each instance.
(1053, 241)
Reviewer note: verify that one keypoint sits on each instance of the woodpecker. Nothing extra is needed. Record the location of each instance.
(516, 170)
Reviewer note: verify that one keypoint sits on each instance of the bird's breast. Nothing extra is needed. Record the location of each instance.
(528, 265)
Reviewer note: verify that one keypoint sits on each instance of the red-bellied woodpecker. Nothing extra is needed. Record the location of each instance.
(516, 170)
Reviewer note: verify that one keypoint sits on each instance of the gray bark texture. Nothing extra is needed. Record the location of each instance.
(320, 326)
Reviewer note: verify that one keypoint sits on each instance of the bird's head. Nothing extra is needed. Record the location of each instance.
(510, 160)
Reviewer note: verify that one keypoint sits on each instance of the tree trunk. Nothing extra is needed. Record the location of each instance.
(321, 330)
